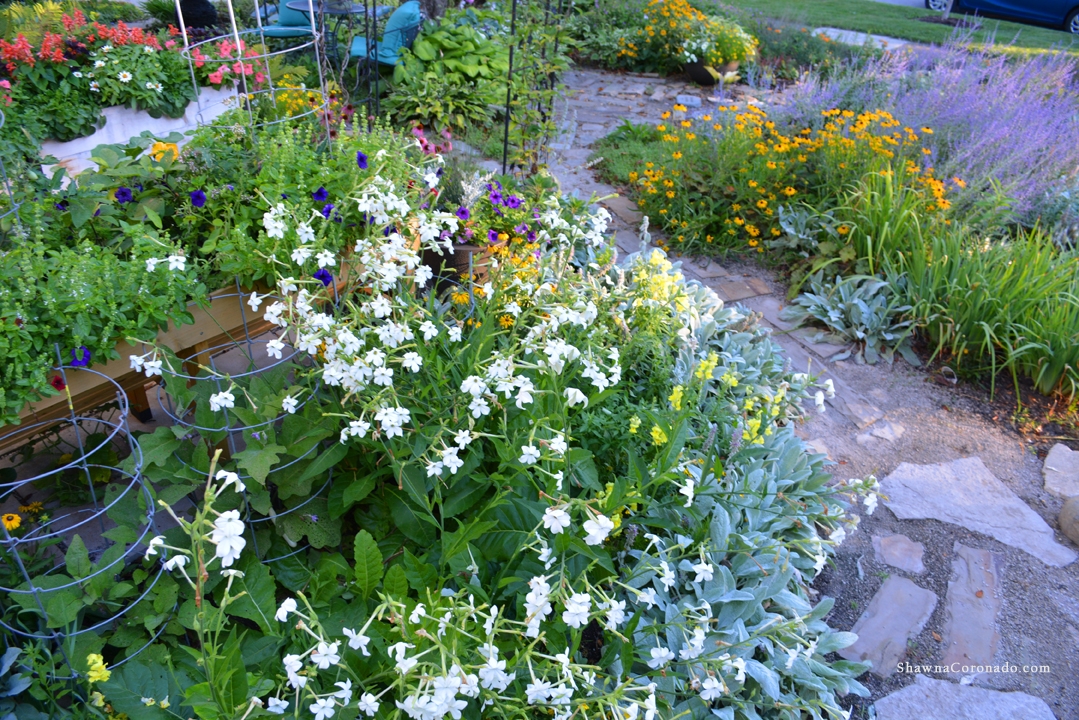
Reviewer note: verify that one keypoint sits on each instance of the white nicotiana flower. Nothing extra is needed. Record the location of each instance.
(222, 400)
(323, 708)
(529, 455)
(301, 255)
(871, 503)
(818, 399)
(357, 641)
(230, 478)
(704, 571)
(648, 597)
(479, 407)
(227, 535)
(174, 562)
(288, 605)
(556, 519)
(429, 330)
(616, 614)
(558, 445)
(451, 461)
(418, 613)
(598, 529)
(660, 657)
(575, 397)
(325, 259)
(152, 263)
(462, 438)
(305, 233)
(838, 535)
(289, 404)
(177, 263)
(577, 609)
(368, 704)
(712, 689)
(155, 543)
(325, 655)
(412, 361)
(455, 334)
(687, 490)
(668, 577)
(274, 348)
(276, 706)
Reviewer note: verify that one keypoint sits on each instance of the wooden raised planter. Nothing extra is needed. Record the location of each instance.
(219, 323)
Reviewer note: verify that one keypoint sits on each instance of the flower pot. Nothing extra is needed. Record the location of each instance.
(698, 72)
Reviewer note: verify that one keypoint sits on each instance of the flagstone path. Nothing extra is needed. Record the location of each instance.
(964, 564)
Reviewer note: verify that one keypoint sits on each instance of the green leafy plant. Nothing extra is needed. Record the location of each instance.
(859, 310)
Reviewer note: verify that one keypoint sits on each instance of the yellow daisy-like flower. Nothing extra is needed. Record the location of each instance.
(32, 509)
(658, 436)
(506, 321)
(12, 521)
(677, 156)
(460, 297)
(842, 229)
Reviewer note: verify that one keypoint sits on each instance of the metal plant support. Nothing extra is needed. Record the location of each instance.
(33, 607)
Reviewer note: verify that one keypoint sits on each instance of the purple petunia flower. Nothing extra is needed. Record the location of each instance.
(284, 196)
(320, 195)
(326, 210)
(513, 202)
(323, 275)
(198, 198)
(521, 228)
(123, 195)
(495, 197)
(61, 206)
(492, 236)
(532, 236)
(361, 160)
(81, 350)
(463, 213)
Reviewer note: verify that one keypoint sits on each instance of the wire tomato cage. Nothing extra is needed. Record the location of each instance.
(82, 569)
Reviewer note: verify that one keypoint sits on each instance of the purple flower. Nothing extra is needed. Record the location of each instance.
(521, 228)
(463, 213)
(495, 197)
(123, 195)
(230, 186)
(326, 210)
(61, 206)
(198, 198)
(492, 236)
(361, 160)
(323, 275)
(284, 196)
(469, 233)
(531, 236)
(320, 195)
(85, 352)
(513, 202)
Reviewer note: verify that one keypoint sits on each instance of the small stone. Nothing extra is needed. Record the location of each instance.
(635, 89)
(972, 605)
(737, 289)
(898, 612)
(862, 414)
(964, 492)
(929, 699)
(625, 209)
(901, 552)
(1069, 519)
(659, 94)
(1061, 471)
(887, 430)
(817, 445)
(688, 100)
(714, 270)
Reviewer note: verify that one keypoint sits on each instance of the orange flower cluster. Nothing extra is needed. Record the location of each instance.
(729, 178)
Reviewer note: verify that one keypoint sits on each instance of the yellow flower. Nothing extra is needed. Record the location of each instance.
(98, 671)
(789, 191)
(158, 150)
(32, 509)
(729, 379)
(658, 436)
(11, 521)
(707, 366)
(842, 229)
(676, 398)
(460, 297)
(762, 203)
(753, 183)
(506, 321)
(634, 424)
(97, 699)
(677, 156)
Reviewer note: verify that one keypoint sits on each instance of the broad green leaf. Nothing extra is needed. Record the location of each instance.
(258, 461)
(420, 575)
(258, 602)
(368, 563)
(396, 583)
(78, 559)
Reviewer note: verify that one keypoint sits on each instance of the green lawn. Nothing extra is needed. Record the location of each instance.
(900, 22)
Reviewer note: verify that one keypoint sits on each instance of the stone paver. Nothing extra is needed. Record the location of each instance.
(1061, 471)
(1069, 519)
(971, 636)
(898, 612)
(930, 699)
(899, 551)
(817, 445)
(883, 430)
(735, 289)
(851, 37)
(964, 492)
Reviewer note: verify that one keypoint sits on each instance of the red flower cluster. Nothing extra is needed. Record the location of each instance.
(79, 35)
(17, 53)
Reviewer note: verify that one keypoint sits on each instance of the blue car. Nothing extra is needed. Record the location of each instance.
(1056, 13)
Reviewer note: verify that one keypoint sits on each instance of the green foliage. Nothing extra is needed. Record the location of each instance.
(450, 76)
(857, 310)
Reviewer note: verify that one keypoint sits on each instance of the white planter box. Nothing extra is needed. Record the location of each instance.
(122, 123)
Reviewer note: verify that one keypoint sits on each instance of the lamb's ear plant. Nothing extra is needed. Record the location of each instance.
(861, 311)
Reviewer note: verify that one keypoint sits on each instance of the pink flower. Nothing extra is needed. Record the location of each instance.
(216, 78)
(260, 78)
(170, 44)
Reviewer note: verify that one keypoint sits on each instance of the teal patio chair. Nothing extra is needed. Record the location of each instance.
(401, 29)
(290, 23)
